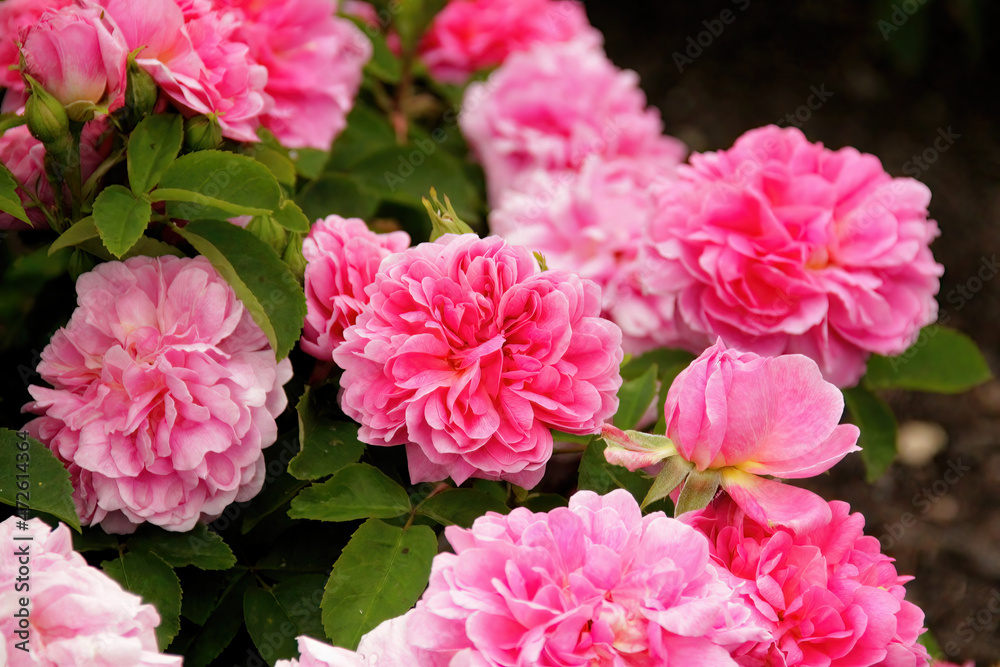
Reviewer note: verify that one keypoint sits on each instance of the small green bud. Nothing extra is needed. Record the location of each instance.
(80, 262)
(140, 93)
(202, 133)
(293, 256)
(444, 219)
(46, 117)
(268, 231)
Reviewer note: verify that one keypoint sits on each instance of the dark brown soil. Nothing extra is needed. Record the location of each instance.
(891, 92)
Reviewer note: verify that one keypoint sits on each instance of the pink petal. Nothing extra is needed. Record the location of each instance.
(772, 503)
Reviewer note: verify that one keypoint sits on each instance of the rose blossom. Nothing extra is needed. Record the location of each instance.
(827, 595)
(552, 106)
(314, 62)
(471, 35)
(595, 584)
(741, 416)
(782, 246)
(592, 222)
(386, 645)
(469, 355)
(77, 54)
(342, 258)
(79, 616)
(16, 16)
(165, 393)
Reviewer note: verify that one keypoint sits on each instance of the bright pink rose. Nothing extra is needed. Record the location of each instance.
(827, 596)
(469, 355)
(191, 53)
(342, 257)
(782, 246)
(77, 54)
(592, 222)
(165, 393)
(15, 17)
(314, 62)
(471, 35)
(24, 156)
(594, 584)
(743, 416)
(554, 105)
(80, 617)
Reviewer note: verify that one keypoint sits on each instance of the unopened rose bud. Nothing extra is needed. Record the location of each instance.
(202, 133)
(268, 231)
(293, 255)
(46, 117)
(140, 93)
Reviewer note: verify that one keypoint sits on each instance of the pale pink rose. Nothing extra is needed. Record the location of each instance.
(342, 258)
(317, 654)
(78, 616)
(595, 584)
(192, 54)
(24, 156)
(782, 246)
(553, 106)
(827, 595)
(942, 663)
(385, 646)
(469, 355)
(592, 223)
(16, 16)
(165, 393)
(77, 54)
(471, 35)
(745, 416)
(314, 61)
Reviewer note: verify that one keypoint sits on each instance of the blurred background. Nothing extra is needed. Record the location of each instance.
(913, 82)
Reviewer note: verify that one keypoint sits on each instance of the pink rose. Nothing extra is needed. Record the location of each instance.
(77, 54)
(743, 416)
(471, 35)
(553, 106)
(782, 246)
(17, 16)
(164, 394)
(317, 654)
(342, 258)
(79, 616)
(469, 355)
(595, 584)
(592, 222)
(386, 645)
(827, 596)
(314, 62)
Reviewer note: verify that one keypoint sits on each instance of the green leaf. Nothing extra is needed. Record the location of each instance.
(10, 201)
(460, 507)
(221, 626)
(405, 174)
(337, 193)
(152, 148)
(326, 445)
(384, 65)
(699, 490)
(264, 283)
(309, 162)
(202, 589)
(300, 597)
(227, 209)
(379, 575)
(878, 430)
(148, 576)
(412, 19)
(217, 176)
(368, 130)
(121, 218)
(597, 475)
(942, 361)
(635, 397)
(38, 480)
(79, 232)
(358, 491)
(271, 629)
(94, 539)
(291, 217)
(200, 547)
(282, 168)
(149, 247)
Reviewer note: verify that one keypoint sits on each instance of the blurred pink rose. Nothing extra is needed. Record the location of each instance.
(782, 246)
(827, 596)
(165, 393)
(592, 223)
(314, 62)
(342, 257)
(79, 616)
(15, 17)
(745, 416)
(77, 54)
(24, 156)
(471, 35)
(469, 355)
(595, 584)
(553, 106)
(191, 53)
